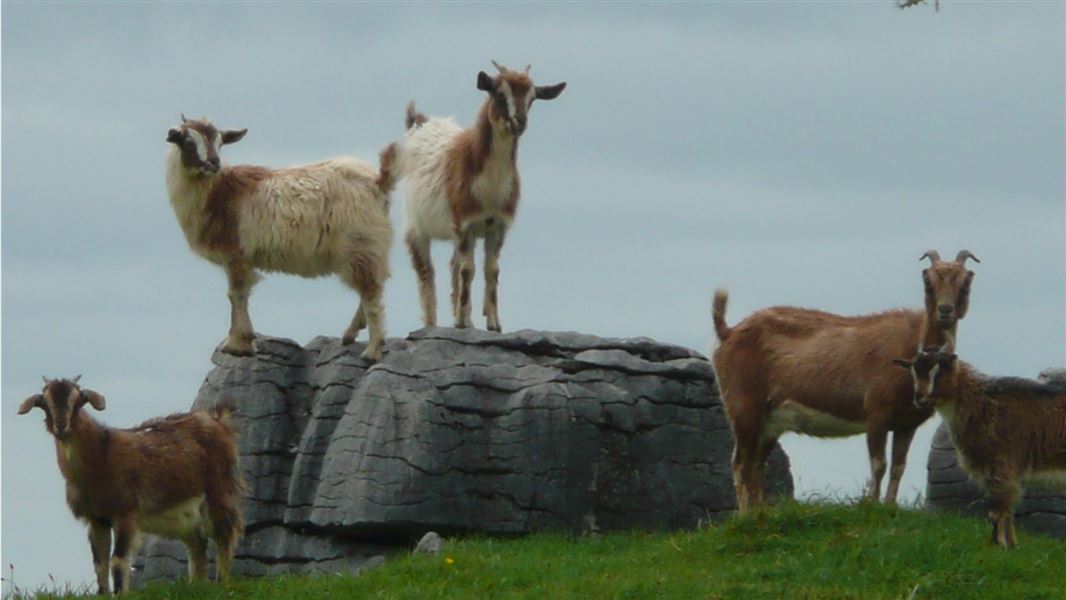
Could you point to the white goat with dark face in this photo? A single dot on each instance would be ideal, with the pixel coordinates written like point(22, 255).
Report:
point(311, 220)
point(462, 184)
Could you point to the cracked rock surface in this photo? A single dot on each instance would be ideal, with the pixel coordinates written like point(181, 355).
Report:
point(461, 431)
point(949, 488)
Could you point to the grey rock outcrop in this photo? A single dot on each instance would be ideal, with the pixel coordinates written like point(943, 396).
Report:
point(461, 431)
point(949, 488)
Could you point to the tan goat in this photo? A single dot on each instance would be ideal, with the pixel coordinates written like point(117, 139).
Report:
point(1007, 430)
point(826, 375)
point(176, 477)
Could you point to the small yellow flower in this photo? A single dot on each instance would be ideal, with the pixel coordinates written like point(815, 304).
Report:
point(449, 560)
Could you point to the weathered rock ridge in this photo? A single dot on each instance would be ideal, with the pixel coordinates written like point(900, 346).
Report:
point(949, 488)
point(465, 431)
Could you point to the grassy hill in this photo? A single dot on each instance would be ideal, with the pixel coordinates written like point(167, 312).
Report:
point(794, 550)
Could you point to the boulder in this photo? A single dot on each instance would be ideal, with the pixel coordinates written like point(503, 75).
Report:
point(464, 431)
point(949, 488)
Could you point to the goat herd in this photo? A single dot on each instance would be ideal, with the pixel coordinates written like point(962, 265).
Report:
point(781, 369)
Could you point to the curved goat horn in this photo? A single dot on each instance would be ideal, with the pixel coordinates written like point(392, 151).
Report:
point(76, 379)
point(499, 67)
point(45, 378)
point(932, 255)
point(183, 119)
point(530, 65)
point(963, 255)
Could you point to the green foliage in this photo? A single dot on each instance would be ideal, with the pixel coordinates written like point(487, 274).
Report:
point(794, 550)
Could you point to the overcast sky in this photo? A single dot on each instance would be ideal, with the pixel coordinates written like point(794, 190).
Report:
point(797, 153)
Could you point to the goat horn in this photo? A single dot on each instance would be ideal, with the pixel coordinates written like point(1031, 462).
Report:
point(76, 378)
point(932, 255)
point(183, 119)
point(45, 378)
point(499, 67)
point(963, 255)
point(528, 67)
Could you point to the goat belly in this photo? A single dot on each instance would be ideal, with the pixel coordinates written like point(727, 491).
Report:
point(177, 521)
point(1049, 479)
point(798, 418)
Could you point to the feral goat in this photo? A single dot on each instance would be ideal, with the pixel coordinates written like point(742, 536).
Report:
point(1007, 430)
point(462, 184)
point(826, 375)
point(311, 220)
point(176, 477)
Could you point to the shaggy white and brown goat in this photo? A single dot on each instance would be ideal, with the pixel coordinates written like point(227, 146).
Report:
point(1008, 431)
point(816, 373)
point(311, 220)
point(176, 477)
point(462, 184)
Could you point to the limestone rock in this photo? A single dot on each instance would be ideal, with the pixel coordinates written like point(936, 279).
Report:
point(460, 431)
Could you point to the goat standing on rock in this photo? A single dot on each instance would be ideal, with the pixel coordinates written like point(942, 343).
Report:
point(462, 184)
point(816, 373)
point(311, 220)
point(1007, 430)
point(176, 477)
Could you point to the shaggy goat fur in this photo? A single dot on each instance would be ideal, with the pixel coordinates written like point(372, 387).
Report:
point(1007, 430)
point(311, 220)
point(176, 477)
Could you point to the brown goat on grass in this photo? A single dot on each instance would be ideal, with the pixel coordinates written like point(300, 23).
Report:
point(816, 373)
point(175, 476)
point(1007, 430)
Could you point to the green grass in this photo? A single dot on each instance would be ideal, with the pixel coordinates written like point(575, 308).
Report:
point(794, 550)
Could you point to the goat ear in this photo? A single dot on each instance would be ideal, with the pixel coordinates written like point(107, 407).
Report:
point(94, 398)
point(550, 92)
point(485, 83)
point(949, 360)
point(962, 305)
point(174, 136)
point(232, 136)
point(906, 364)
point(35, 400)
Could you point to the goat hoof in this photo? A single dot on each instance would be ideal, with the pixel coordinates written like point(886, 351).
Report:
point(347, 340)
point(372, 355)
point(237, 349)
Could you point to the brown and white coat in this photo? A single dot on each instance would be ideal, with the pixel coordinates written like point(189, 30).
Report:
point(330, 217)
point(463, 184)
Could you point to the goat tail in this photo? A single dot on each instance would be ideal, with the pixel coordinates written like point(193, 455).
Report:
point(223, 411)
point(414, 118)
point(387, 175)
point(721, 298)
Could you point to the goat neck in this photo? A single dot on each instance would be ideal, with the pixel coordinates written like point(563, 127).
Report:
point(77, 452)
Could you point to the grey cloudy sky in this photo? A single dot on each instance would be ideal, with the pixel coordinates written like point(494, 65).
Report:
point(797, 153)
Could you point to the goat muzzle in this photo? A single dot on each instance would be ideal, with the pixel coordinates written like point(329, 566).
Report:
point(945, 315)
